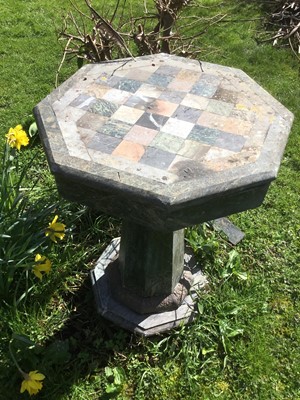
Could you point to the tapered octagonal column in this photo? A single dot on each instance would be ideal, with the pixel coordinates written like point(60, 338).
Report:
point(150, 261)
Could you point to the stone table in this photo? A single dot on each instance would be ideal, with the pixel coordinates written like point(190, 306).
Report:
point(164, 143)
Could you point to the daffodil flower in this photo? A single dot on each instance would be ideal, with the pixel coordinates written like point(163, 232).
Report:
point(32, 382)
point(55, 230)
point(17, 137)
point(42, 264)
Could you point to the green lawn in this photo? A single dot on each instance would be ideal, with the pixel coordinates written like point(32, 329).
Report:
point(244, 342)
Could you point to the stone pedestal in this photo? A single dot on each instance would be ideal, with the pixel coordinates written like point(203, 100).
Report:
point(106, 283)
point(149, 275)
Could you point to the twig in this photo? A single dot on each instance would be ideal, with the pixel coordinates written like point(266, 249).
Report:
point(62, 61)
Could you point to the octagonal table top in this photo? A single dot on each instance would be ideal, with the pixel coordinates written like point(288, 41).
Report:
point(164, 127)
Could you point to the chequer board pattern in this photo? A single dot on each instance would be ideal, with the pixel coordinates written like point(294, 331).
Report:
point(153, 119)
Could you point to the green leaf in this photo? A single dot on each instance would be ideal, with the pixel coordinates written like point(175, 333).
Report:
point(33, 129)
point(23, 338)
point(200, 308)
point(235, 332)
point(242, 276)
point(108, 371)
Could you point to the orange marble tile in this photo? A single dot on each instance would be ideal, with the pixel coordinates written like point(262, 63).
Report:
point(129, 150)
point(141, 135)
point(226, 124)
point(98, 91)
point(188, 75)
point(162, 107)
point(181, 85)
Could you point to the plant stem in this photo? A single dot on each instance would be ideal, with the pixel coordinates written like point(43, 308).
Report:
point(14, 359)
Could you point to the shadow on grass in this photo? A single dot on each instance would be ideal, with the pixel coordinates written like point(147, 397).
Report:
point(81, 349)
point(82, 342)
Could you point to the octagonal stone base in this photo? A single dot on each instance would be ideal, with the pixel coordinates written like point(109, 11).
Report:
point(144, 324)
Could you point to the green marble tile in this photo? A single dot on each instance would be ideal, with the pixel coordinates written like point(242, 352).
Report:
point(116, 129)
point(204, 134)
point(219, 107)
point(103, 107)
point(129, 85)
point(167, 142)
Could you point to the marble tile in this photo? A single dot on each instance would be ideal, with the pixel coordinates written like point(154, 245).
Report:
point(168, 70)
point(129, 85)
point(198, 102)
point(152, 121)
point(226, 124)
point(116, 96)
point(159, 80)
point(97, 91)
point(193, 150)
point(141, 135)
point(114, 80)
point(149, 91)
point(226, 84)
point(92, 121)
point(157, 158)
point(210, 79)
point(237, 126)
point(161, 107)
point(115, 128)
point(178, 128)
point(203, 89)
point(230, 142)
point(188, 75)
point(188, 114)
point(219, 107)
point(103, 143)
point(167, 142)
point(127, 114)
point(129, 150)
point(174, 96)
point(103, 107)
point(138, 74)
point(139, 101)
point(180, 85)
point(204, 135)
point(83, 101)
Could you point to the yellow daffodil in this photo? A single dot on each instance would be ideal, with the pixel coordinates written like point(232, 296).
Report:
point(55, 230)
point(42, 264)
point(32, 382)
point(17, 137)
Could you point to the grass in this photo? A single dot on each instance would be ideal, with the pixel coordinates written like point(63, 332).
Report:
point(244, 342)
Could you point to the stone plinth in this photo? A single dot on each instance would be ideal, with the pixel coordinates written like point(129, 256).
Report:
point(149, 324)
